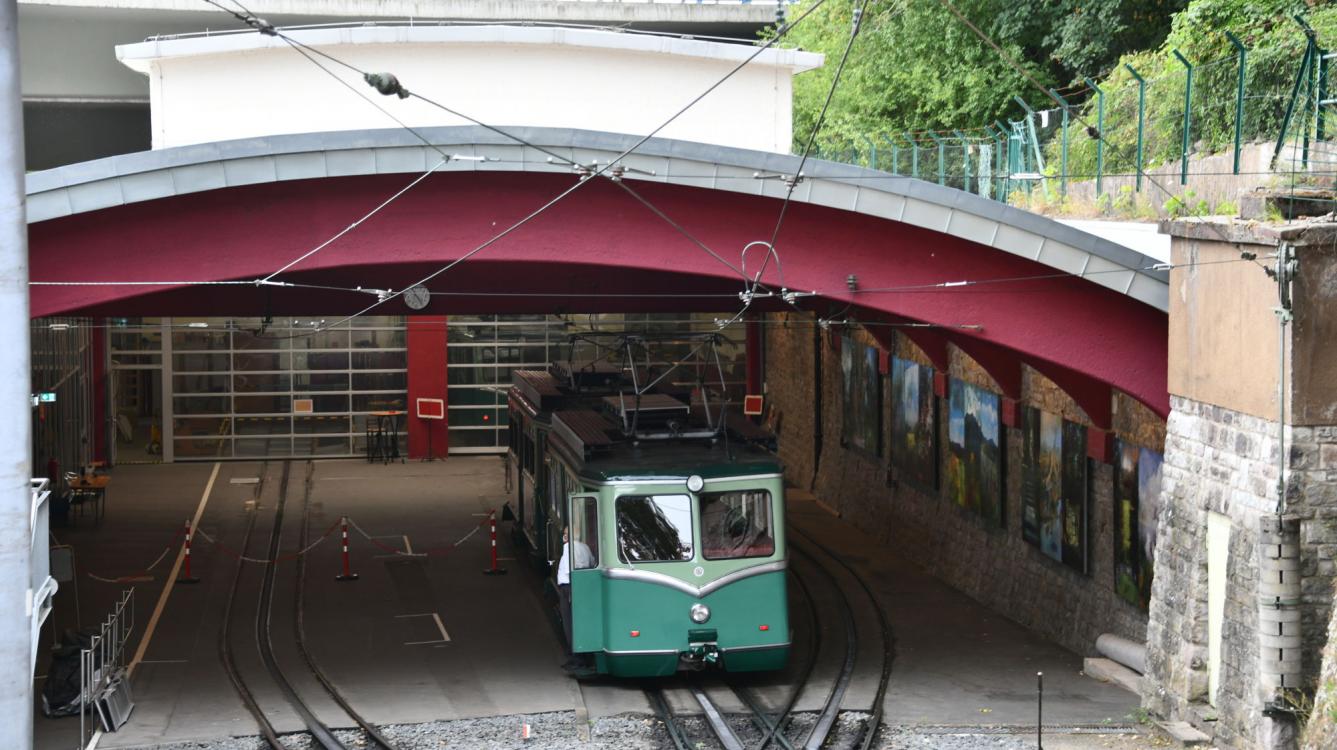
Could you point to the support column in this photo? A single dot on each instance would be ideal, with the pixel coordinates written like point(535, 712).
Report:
point(97, 390)
point(753, 350)
point(16, 708)
point(427, 379)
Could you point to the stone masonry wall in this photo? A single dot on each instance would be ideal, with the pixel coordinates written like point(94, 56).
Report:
point(992, 565)
point(1322, 729)
point(1221, 461)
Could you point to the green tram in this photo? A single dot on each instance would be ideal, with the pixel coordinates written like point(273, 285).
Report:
point(680, 523)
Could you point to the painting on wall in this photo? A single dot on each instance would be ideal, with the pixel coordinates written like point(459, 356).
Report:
point(974, 467)
point(861, 396)
point(914, 426)
point(1051, 484)
point(1030, 475)
point(1053, 487)
point(1074, 498)
point(1137, 501)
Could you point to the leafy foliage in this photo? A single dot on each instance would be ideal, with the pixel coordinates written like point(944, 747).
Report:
point(916, 67)
point(1275, 44)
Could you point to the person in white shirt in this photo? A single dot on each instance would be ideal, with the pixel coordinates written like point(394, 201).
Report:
point(584, 559)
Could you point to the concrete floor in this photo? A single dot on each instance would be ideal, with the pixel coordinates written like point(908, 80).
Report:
point(378, 639)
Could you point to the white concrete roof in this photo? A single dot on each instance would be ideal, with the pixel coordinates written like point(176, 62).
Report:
point(1142, 236)
point(152, 175)
point(140, 56)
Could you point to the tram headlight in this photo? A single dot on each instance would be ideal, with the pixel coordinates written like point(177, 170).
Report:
point(700, 613)
point(695, 483)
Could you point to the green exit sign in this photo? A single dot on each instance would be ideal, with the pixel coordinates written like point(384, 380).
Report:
point(46, 398)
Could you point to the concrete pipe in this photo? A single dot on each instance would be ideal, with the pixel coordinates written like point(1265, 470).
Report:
point(1131, 654)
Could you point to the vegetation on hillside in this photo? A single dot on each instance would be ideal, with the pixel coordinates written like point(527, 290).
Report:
point(916, 67)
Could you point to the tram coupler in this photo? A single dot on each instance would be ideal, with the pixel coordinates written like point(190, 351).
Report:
point(700, 654)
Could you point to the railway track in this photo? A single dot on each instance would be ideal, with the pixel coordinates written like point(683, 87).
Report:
point(321, 733)
point(888, 644)
point(770, 725)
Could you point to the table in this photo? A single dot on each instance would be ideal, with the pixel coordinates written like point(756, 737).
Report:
point(383, 439)
point(89, 489)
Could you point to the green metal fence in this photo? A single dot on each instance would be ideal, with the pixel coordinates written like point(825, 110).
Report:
point(1107, 123)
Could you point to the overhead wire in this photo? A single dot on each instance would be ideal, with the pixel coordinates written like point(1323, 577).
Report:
point(265, 28)
point(357, 223)
point(856, 22)
point(663, 216)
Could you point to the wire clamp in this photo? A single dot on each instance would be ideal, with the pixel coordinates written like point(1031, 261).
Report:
point(386, 83)
point(261, 25)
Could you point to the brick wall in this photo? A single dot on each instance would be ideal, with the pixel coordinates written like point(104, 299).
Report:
point(992, 565)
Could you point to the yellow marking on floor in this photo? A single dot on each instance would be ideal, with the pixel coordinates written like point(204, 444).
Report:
point(171, 579)
point(408, 548)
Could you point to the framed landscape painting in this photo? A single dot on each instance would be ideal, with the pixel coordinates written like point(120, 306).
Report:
point(974, 466)
point(861, 396)
point(914, 424)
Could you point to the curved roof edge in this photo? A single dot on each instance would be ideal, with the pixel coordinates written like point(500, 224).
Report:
point(151, 175)
point(139, 55)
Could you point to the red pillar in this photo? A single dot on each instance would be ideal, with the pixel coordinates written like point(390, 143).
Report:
point(427, 379)
point(753, 351)
point(97, 395)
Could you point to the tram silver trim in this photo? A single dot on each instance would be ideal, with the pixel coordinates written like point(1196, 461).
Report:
point(646, 652)
point(680, 482)
point(660, 579)
point(760, 647)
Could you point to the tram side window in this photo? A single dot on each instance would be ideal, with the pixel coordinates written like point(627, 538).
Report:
point(736, 525)
point(527, 456)
point(585, 532)
point(654, 528)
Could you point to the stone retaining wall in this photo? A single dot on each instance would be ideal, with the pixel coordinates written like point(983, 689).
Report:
point(1222, 461)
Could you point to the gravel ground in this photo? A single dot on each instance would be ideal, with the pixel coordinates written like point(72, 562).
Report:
point(557, 731)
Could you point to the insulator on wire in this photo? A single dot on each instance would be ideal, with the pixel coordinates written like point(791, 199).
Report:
point(386, 83)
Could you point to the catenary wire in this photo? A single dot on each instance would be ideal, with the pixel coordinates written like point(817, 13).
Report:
point(264, 27)
point(812, 138)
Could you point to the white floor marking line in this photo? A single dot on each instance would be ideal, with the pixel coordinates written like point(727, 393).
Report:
point(171, 579)
point(408, 548)
point(445, 637)
point(439, 626)
point(244, 480)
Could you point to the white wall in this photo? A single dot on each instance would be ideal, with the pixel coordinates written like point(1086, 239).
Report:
point(221, 88)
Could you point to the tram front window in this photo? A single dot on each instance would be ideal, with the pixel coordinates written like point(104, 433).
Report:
point(654, 528)
point(736, 525)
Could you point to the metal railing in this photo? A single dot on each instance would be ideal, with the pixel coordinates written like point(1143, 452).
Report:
point(41, 586)
point(101, 664)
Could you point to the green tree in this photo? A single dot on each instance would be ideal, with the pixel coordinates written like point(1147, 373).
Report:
point(916, 67)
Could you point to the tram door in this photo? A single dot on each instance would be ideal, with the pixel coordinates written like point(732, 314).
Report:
point(586, 586)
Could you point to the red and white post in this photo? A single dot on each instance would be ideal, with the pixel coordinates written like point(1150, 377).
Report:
point(186, 577)
point(347, 575)
point(492, 523)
